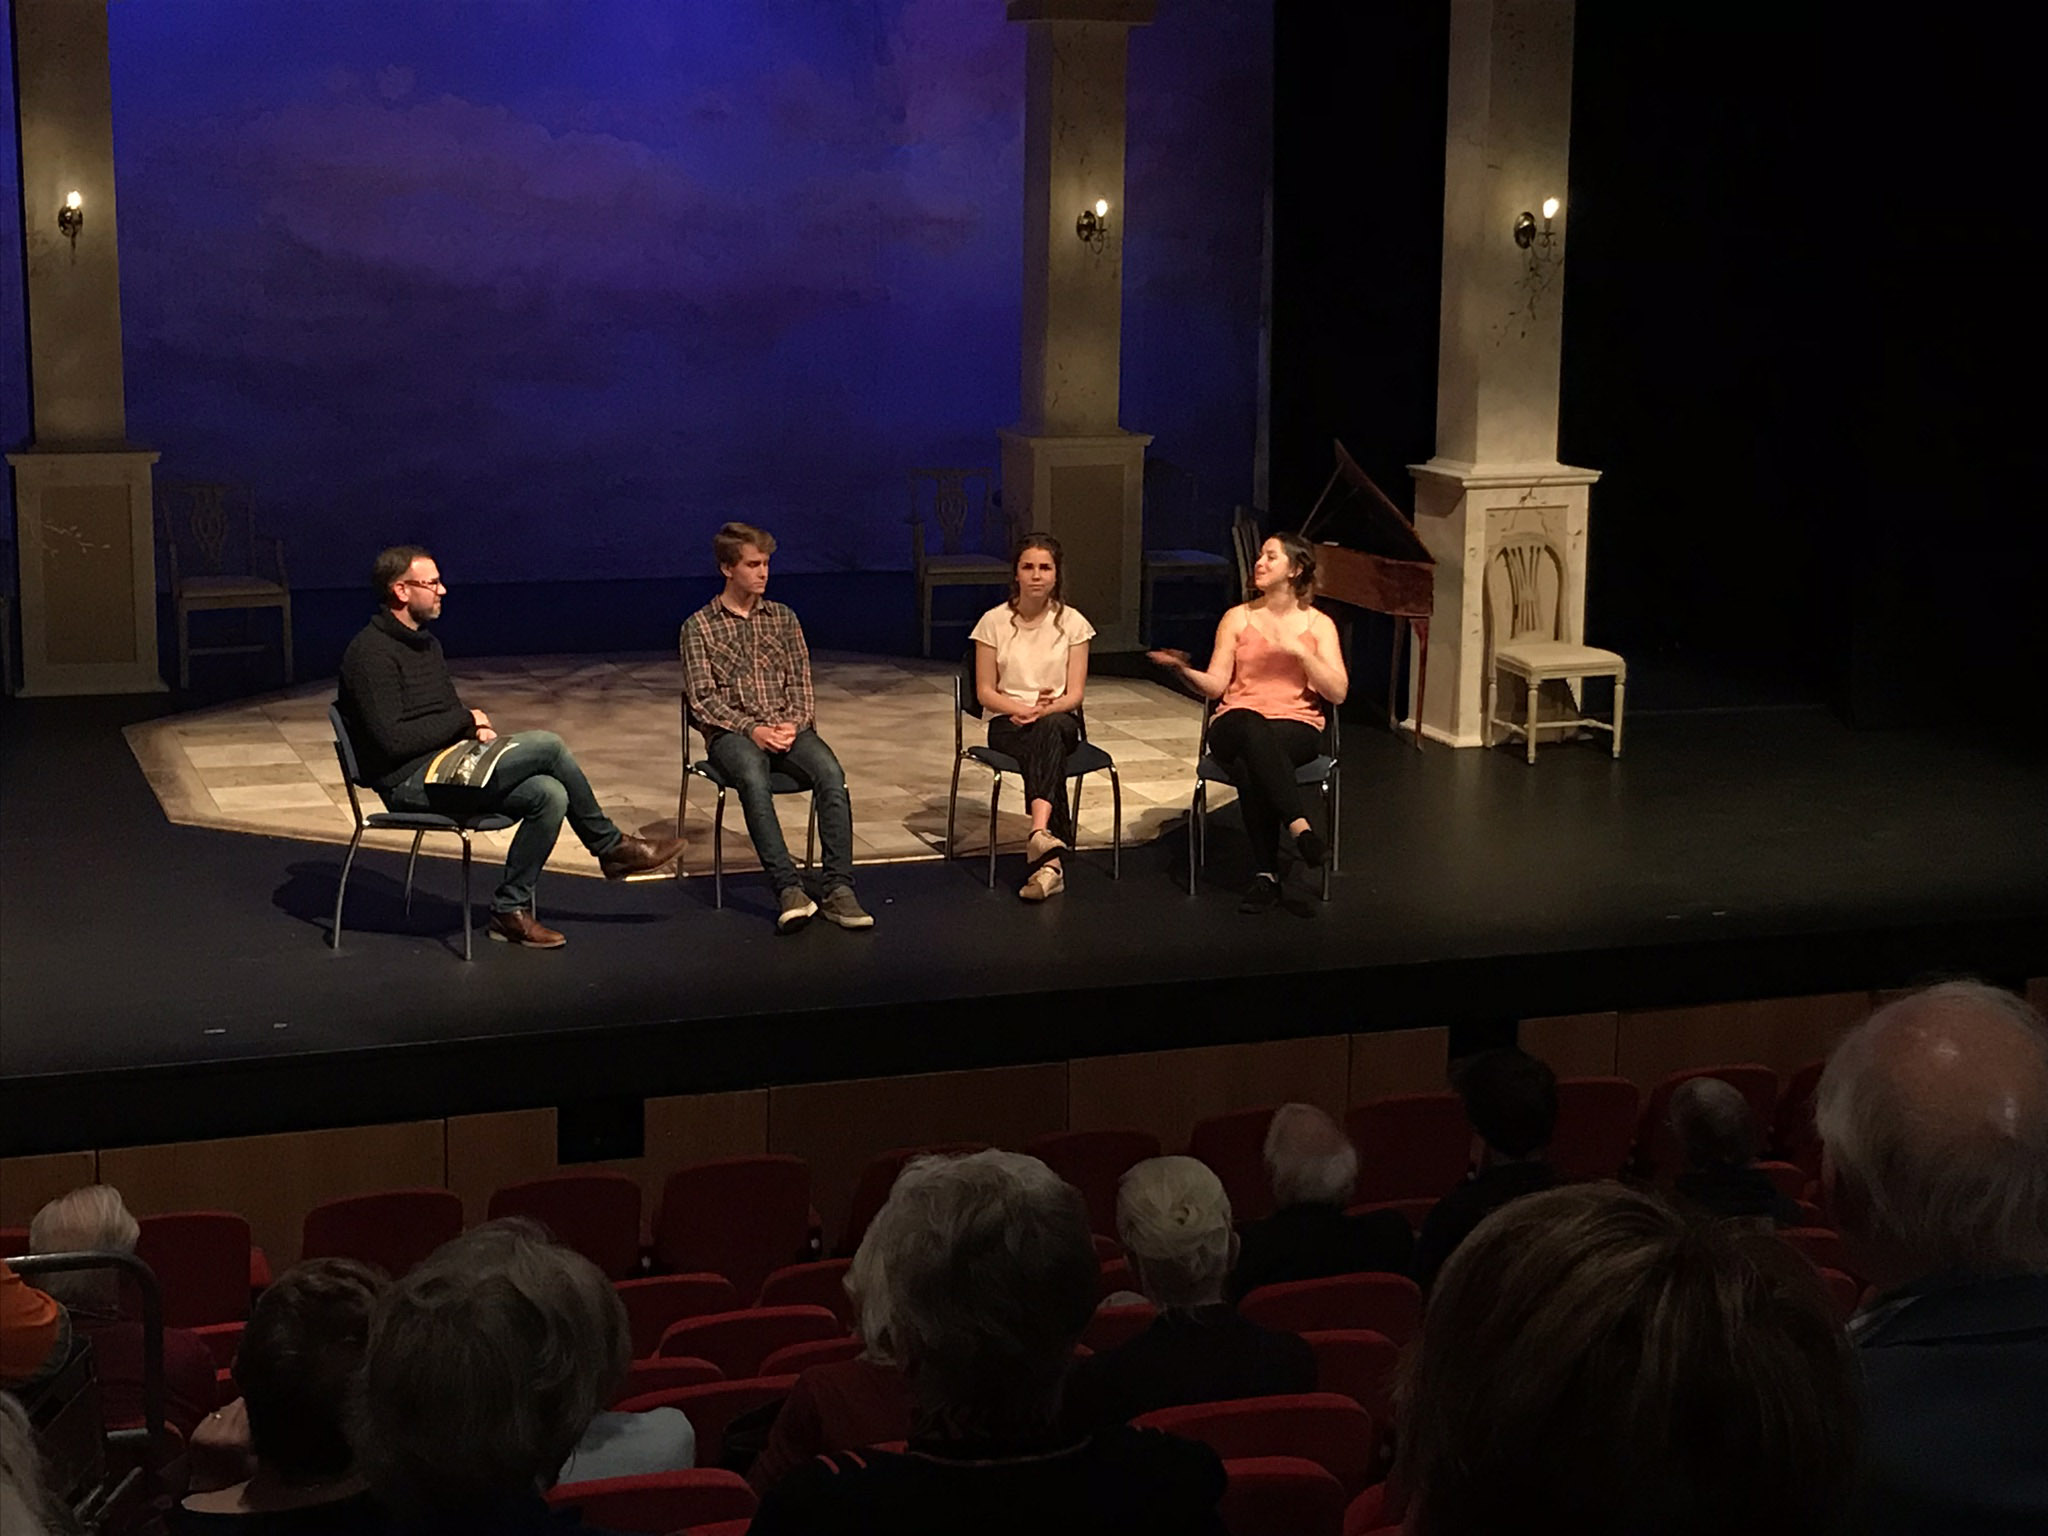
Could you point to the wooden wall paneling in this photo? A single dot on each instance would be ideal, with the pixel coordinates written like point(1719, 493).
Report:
point(27, 1184)
point(1782, 1032)
point(1399, 1061)
point(1166, 1092)
point(487, 1152)
point(274, 1180)
point(691, 1128)
point(838, 1127)
point(1575, 1044)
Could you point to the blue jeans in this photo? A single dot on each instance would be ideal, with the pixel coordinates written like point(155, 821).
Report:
point(810, 762)
point(542, 785)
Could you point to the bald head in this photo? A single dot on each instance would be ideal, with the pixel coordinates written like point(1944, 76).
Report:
point(1311, 1160)
point(1712, 1123)
point(1934, 1117)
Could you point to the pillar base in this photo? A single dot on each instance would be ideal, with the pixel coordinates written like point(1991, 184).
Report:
point(1461, 512)
point(85, 536)
point(1089, 493)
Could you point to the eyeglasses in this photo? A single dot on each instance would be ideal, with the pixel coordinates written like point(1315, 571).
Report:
point(431, 586)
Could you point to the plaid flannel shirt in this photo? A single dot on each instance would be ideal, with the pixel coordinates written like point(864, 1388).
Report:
point(744, 672)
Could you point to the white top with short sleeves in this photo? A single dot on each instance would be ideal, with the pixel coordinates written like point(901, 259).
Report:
point(1031, 658)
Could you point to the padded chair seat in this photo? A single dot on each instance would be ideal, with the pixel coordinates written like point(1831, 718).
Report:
point(434, 821)
point(989, 567)
point(1085, 758)
point(778, 783)
point(1314, 771)
point(1555, 658)
point(209, 587)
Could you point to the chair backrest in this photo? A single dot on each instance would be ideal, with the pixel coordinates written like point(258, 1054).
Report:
point(1821, 1245)
point(1234, 1147)
point(1793, 1134)
point(1171, 496)
point(1387, 1304)
point(1245, 539)
point(1111, 1326)
point(737, 1342)
point(1844, 1290)
point(665, 1374)
point(657, 1502)
point(1324, 1427)
point(960, 506)
point(208, 527)
point(596, 1214)
point(345, 755)
point(1415, 1212)
point(871, 1192)
point(655, 1302)
point(821, 1283)
point(742, 1217)
point(1093, 1162)
point(1596, 1126)
point(201, 1259)
point(1360, 1364)
point(393, 1229)
point(1657, 1149)
point(795, 1359)
point(1410, 1145)
point(1281, 1496)
point(1789, 1179)
point(1526, 592)
point(711, 1407)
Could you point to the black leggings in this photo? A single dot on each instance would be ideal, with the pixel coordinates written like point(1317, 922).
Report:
point(1260, 755)
point(1042, 747)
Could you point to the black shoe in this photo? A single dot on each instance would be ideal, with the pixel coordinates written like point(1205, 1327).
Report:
point(1261, 896)
point(1310, 846)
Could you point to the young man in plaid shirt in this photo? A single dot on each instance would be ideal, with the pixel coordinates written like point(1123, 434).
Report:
point(748, 674)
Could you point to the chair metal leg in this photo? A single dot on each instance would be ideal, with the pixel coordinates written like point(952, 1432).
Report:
point(718, 853)
point(466, 922)
point(1329, 820)
point(341, 887)
point(811, 836)
point(683, 804)
point(1194, 831)
point(952, 804)
point(411, 860)
point(995, 788)
point(1619, 690)
point(1535, 695)
point(1116, 825)
point(287, 612)
point(1334, 862)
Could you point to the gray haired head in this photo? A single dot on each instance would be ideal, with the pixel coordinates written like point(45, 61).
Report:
point(1309, 1158)
point(1173, 1218)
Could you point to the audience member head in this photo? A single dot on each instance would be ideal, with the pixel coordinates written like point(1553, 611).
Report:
point(298, 1364)
point(390, 568)
point(1309, 1158)
point(90, 1219)
point(1173, 1219)
point(1712, 1124)
point(25, 1504)
point(1593, 1361)
point(1511, 1099)
point(730, 543)
point(976, 1279)
point(485, 1365)
point(1933, 1120)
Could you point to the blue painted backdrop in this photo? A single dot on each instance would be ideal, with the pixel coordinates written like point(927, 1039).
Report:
point(559, 285)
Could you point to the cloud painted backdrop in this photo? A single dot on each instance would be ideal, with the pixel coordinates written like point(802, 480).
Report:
point(558, 285)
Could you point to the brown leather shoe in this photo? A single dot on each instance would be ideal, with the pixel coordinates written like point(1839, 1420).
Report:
point(520, 927)
point(638, 855)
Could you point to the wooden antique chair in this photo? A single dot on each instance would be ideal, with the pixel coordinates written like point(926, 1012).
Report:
point(971, 536)
point(218, 560)
point(1528, 571)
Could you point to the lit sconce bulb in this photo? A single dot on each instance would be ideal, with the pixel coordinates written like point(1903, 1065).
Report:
point(1101, 206)
point(1550, 207)
point(71, 217)
point(74, 202)
point(1093, 226)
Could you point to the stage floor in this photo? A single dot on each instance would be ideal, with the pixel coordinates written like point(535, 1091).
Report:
point(161, 981)
point(267, 765)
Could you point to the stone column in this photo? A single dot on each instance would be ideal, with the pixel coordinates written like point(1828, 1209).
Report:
point(84, 528)
point(1506, 152)
point(1069, 468)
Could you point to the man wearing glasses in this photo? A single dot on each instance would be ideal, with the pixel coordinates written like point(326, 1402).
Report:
point(403, 712)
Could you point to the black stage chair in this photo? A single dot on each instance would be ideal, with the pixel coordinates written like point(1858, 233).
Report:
point(780, 783)
point(1321, 771)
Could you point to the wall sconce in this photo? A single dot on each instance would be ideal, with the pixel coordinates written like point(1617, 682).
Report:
point(1093, 226)
point(71, 218)
point(1526, 231)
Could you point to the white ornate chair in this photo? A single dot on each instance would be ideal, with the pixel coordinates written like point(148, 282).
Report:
point(218, 560)
point(961, 507)
point(1525, 580)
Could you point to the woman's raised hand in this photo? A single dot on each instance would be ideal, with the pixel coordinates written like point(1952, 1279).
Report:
point(1172, 660)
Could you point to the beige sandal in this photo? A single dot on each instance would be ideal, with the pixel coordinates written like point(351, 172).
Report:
point(1045, 881)
point(1040, 846)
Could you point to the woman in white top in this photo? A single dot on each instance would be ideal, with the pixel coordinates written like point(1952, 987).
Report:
point(1030, 670)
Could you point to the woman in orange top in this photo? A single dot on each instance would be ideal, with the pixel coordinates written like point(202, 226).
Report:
point(1276, 668)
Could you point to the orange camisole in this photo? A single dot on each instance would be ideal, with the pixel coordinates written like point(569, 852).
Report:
point(1269, 682)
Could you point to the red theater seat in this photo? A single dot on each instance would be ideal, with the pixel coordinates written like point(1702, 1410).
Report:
point(711, 1407)
point(1234, 1147)
point(1844, 1290)
point(871, 1192)
point(1821, 1245)
point(393, 1229)
point(1358, 1363)
point(597, 1214)
point(657, 1302)
point(820, 1284)
point(795, 1359)
point(1111, 1326)
point(741, 1217)
point(1323, 1427)
point(13, 1242)
point(1412, 1146)
point(1385, 1304)
point(665, 1374)
point(737, 1342)
point(204, 1263)
point(1093, 1162)
point(1281, 1496)
point(1657, 1153)
point(1414, 1212)
point(1596, 1126)
point(1787, 1178)
point(223, 1340)
point(657, 1502)
point(1794, 1136)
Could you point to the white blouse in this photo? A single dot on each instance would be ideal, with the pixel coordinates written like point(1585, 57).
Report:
point(1031, 658)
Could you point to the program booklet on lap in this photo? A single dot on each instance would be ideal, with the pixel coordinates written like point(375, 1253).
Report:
point(468, 764)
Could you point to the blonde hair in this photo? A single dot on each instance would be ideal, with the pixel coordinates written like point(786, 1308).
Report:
point(1173, 1218)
